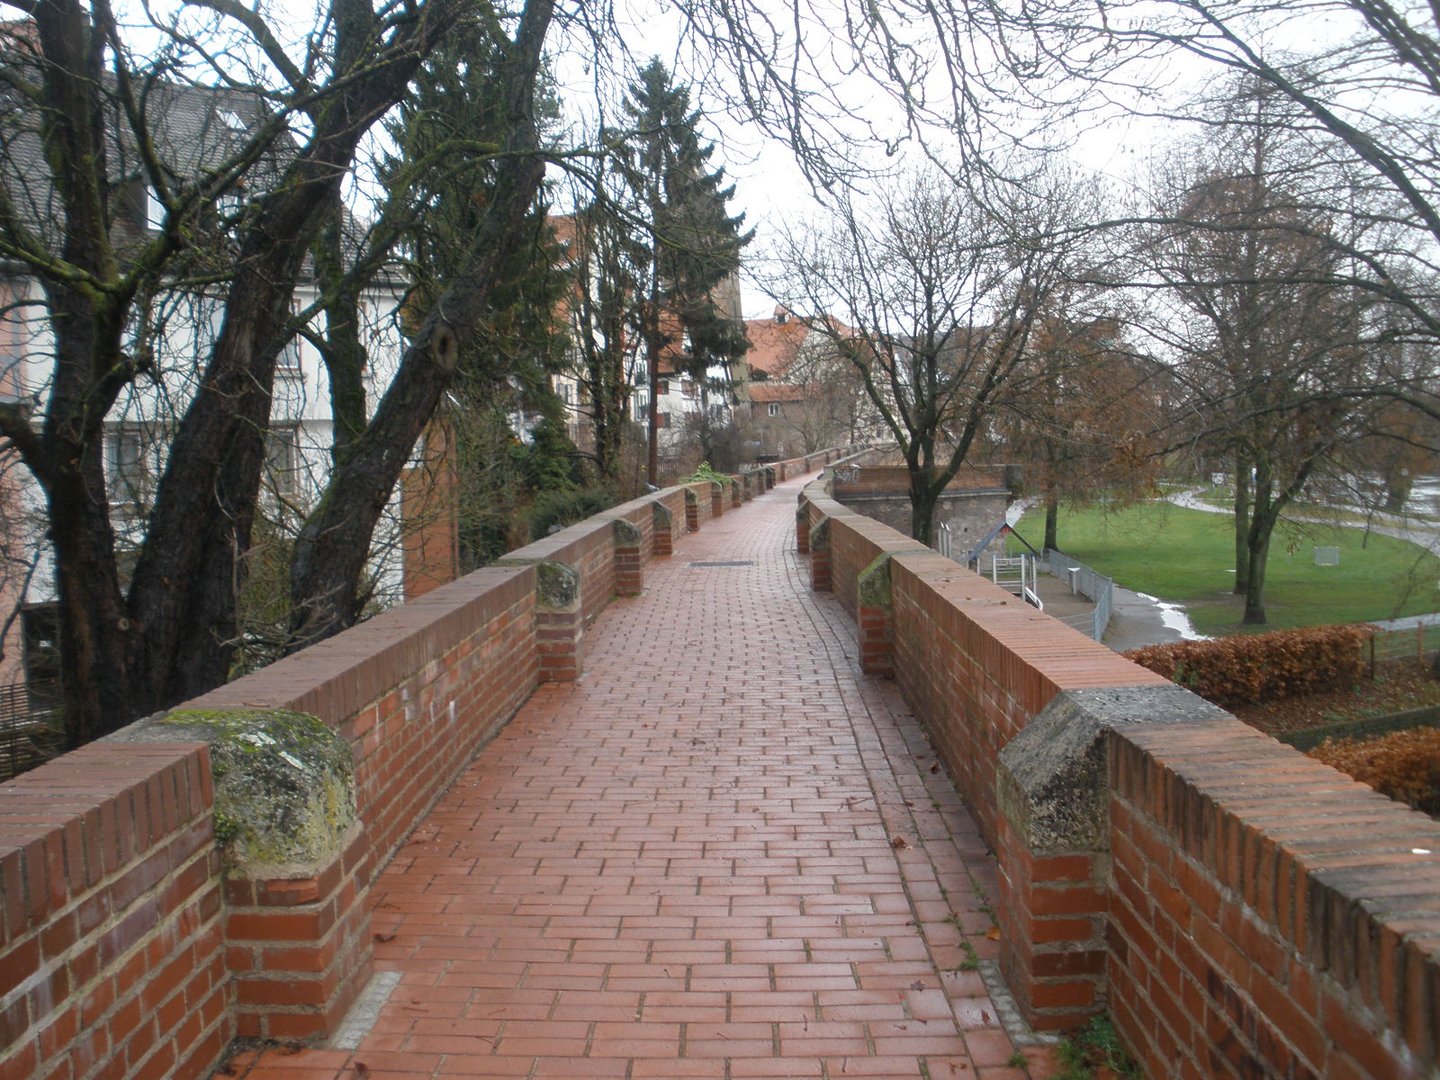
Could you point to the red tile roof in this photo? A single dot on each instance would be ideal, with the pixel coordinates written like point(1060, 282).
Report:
point(774, 344)
point(779, 391)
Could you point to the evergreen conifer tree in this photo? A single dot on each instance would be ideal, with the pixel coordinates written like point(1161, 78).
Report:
point(694, 242)
point(448, 132)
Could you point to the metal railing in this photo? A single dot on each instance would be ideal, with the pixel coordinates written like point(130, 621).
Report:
point(1083, 581)
point(945, 540)
point(1016, 574)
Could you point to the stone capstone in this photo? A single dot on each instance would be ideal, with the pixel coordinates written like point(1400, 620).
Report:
point(284, 782)
point(1051, 778)
point(626, 534)
point(557, 586)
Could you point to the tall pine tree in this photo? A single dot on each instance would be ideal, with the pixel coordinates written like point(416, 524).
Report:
point(694, 243)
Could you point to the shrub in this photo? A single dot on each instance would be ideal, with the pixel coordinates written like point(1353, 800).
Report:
point(565, 507)
point(1245, 668)
point(705, 472)
point(1404, 765)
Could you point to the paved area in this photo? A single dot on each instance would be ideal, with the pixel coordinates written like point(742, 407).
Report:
point(722, 853)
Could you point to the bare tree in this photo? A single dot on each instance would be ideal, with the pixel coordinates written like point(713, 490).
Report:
point(88, 137)
point(1088, 425)
point(1264, 332)
point(935, 298)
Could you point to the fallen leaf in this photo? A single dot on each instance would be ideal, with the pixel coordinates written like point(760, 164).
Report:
point(917, 985)
point(993, 934)
point(361, 1070)
point(382, 938)
point(898, 842)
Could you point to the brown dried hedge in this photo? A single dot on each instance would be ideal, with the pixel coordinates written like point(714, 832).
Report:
point(1404, 764)
point(1246, 668)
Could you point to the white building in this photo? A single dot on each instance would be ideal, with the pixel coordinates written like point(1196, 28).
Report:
point(197, 127)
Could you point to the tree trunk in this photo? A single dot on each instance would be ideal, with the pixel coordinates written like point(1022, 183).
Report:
point(923, 496)
point(1264, 515)
point(1398, 483)
point(344, 353)
point(97, 638)
point(187, 581)
point(334, 545)
point(172, 637)
point(652, 422)
point(1258, 553)
point(1242, 525)
point(1052, 516)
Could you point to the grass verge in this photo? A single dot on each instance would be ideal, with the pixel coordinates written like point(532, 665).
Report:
point(1187, 557)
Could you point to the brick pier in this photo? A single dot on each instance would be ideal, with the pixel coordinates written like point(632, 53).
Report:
point(723, 852)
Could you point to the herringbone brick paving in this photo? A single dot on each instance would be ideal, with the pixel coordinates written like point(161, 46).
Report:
point(723, 852)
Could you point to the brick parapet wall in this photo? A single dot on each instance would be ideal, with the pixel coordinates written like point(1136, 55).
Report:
point(414, 691)
point(124, 948)
point(1269, 917)
point(980, 664)
point(889, 479)
point(112, 957)
point(1242, 910)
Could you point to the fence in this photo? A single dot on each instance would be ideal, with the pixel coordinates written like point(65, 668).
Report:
point(30, 726)
point(1417, 637)
point(1095, 587)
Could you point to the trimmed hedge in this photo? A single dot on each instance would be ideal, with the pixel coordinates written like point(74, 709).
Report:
point(1244, 668)
point(1404, 765)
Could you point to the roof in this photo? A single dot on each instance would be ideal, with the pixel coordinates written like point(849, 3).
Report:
point(774, 343)
point(192, 129)
point(763, 392)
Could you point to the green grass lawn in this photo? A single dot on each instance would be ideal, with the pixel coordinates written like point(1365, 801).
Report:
point(1187, 556)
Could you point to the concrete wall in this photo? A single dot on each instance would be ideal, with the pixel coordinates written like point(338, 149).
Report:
point(1241, 910)
point(133, 943)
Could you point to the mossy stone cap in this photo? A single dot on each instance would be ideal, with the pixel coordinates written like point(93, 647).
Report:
point(284, 783)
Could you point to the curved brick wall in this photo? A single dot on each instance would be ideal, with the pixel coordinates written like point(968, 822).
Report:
point(1240, 909)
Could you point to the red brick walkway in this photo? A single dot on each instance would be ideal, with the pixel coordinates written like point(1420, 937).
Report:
point(722, 853)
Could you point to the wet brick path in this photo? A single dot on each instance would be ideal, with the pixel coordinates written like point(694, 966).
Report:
point(723, 852)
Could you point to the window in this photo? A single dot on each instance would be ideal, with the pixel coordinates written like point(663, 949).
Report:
point(662, 387)
point(229, 206)
point(774, 408)
point(288, 363)
point(154, 210)
point(282, 458)
point(12, 348)
point(124, 464)
point(232, 120)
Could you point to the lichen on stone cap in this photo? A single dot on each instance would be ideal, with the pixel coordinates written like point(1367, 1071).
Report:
point(284, 783)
